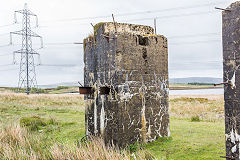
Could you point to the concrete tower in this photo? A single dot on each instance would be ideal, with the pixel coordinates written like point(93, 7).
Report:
point(231, 77)
point(126, 83)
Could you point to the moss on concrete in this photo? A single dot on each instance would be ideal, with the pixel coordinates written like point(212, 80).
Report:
point(98, 25)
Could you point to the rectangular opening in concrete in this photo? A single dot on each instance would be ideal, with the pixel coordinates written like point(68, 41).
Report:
point(105, 90)
point(86, 90)
point(143, 41)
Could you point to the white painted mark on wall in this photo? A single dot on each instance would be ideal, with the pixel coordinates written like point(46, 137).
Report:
point(102, 116)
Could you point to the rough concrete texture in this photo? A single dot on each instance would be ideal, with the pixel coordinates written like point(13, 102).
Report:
point(231, 55)
point(133, 63)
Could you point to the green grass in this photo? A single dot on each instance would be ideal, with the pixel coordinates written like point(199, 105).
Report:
point(191, 140)
point(58, 90)
point(60, 119)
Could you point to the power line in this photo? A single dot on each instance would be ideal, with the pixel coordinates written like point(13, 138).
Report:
point(7, 45)
point(194, 35)
point(6, 64)
point(8, 69)
point(190, 63)
point(6, 54)
point(57, 65)
point(3, 34)
point(173, 37)
point(64, 43)
point(195, 42)
point(172, 9)
point(137, 13)
point(172, 16)
point(6, 25)
point(160, 17)
point(77, 65)
point(56, 43)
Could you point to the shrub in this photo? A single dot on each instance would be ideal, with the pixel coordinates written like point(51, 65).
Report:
point(62, 87)
point(195, 119)
point(36, 123)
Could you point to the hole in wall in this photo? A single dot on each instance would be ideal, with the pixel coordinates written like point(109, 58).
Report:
point(104, 90)
point(143, 41)
point(108, 90)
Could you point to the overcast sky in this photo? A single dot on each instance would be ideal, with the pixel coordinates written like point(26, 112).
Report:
point(195, 48)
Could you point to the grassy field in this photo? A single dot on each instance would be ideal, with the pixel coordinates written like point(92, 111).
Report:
point(183, 86)
point(51, 126)
point(58, 90)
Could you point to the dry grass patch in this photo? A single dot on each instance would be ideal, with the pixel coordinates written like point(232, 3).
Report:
point(206, 107)
point(18, 143)
point(42, 100)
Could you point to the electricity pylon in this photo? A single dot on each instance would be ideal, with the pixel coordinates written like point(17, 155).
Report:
point(27, 75)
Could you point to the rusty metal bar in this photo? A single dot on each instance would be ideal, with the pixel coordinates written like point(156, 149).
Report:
point(155, 26)
point(225, 83)
point(80, 84)
point(86, 90)
point(114, 23)
point(77, 43)
point(223, 9)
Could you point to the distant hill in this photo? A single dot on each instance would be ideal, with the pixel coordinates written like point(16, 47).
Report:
point(69, 84)
point(196, 80)
point(172, 80)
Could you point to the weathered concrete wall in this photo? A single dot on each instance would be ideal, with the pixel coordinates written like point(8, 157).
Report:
point(231, 55)
point(134, 64)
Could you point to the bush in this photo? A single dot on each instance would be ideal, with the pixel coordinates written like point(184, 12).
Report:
point(134, 147)
point(195, 119)
point(62, 87)
point(33, 90)
point(36, 123)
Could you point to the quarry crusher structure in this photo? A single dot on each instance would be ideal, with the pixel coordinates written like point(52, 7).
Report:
point(231, 78)
point(126, 84)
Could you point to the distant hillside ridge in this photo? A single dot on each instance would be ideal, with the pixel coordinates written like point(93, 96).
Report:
point(196, 80)
point(172, 80)
point(68, 84)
